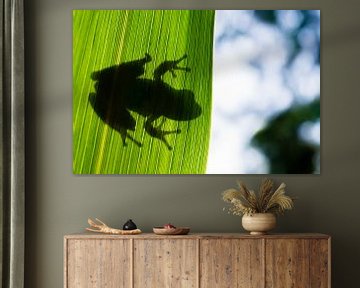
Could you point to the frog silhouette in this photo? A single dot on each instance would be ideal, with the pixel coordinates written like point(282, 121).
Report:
point(119, 90)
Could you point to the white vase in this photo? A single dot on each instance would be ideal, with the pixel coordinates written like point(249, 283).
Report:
point(259, 223)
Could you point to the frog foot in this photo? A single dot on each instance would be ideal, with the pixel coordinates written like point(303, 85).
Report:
point(147, 58)
point(170, 66)
point(156, 132)
point(124, 134)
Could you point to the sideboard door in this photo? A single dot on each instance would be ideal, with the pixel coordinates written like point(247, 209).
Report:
point(231, 263)
point(297, 263)
point(170, 263)
point(320, 263)
point(99, 263)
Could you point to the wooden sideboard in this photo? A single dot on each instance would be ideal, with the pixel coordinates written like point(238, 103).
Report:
point(197, 260)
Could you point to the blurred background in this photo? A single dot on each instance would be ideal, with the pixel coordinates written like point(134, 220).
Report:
point(266, 93)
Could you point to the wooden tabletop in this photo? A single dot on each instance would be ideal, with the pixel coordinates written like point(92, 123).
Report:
point(89, 235)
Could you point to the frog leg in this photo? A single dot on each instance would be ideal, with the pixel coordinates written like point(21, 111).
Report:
point(170, 66)
point(124, 134)
point(156, 132)
point(147, 58)
point(122, 123)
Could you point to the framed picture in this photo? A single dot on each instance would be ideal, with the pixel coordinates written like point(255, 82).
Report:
point(196, 91)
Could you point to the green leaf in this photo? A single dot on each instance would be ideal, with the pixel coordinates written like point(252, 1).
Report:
point(103, 39)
